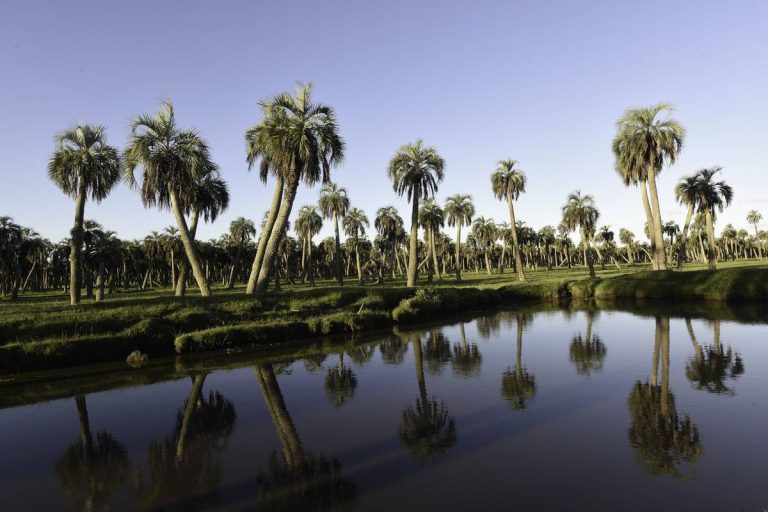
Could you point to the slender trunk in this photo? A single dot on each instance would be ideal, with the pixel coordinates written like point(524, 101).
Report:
point(664, 324)
point(276, 234)
point(458, 252)
point(661, 254)
point(235, 265)
point(357, 261)
point(434, 253)
point(181, 282)
point(265, 234)
point(516, 248)
point(337, 257)
point(281, 418)
point(655, 361)
point(649, 220)
point(711, 254)
point(757, 242)
point(75, 245)
point(683, 238)
point(100, 283)
point(310, 263)
point(418, 359)
point(85, 427)
point(587, 253)
point(189, 246)
point(194, 397)
point(413, 242)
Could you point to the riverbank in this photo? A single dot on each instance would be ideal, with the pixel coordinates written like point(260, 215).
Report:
point(44, 333)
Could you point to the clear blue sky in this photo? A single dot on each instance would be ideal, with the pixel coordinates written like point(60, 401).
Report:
point(539, 81)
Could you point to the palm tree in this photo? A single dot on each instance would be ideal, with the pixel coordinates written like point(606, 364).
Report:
point(580, 212)
point(459, 211)
point(508, 183)
point(712, 364)
point(588, 353)
point(241, 230)
point(485, 232)
point(299, 140)
point(754, 217)
point(415, 170)
point(308, 224)
point(355, 223)
point(83, 165)
point(389, 225)
point(627, 238)
point(172, 161)
point(643, 144)
point(334, 203)
point(712, 195)
point(686, 193)
point(431, 219)
point(340, 383)
point(518, 386)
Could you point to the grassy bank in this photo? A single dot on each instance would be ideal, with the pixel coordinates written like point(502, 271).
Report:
point(43, 332)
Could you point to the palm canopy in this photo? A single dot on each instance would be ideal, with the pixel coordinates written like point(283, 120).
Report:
point(333, 201)
point(712, 195)
point(308, 222)
point(507, 180)
point(416, 170)
point(645, 140)
point(485, 230)
point(84, 161)
point(754, 217)
point(431, 216)
point(387, 221)
point(580, 212)
point(209, 195)
point(355, 223)
point(686, 191)
point(459, 210)
point(242, 229)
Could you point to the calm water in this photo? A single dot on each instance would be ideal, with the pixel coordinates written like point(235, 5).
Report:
point(528, 410)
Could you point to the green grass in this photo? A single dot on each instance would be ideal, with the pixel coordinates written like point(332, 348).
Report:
point(42, 332)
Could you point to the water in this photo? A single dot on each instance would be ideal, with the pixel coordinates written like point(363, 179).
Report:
point(547, 410)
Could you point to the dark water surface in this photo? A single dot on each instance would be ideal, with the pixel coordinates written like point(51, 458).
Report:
point(551, 410)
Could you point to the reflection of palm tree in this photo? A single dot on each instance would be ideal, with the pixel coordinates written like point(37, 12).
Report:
point(361, 354)
point(588, 353)
point(184, 473)
point(299, 480)
point(518, 386)
point(662, 439)
point(712, 364)
point(393, 350)
point(314, 362)
point(427, 429)
point(340, 383)
point(466, 358)
point(437, 352)
point(89, 470)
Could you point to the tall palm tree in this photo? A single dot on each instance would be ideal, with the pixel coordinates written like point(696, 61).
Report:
point(686, 193)
point(644, 142)
point(508, 183)
point(459, 211)
point(83, 165)
point(334, 203)
point(580, 213)
point(712, 195)
point(241, 230)
point(172, 160)
point(299, 140)
point(754, 217)
point(355, 223)
point(415, 171)
point(308, 224)
point(485, 232)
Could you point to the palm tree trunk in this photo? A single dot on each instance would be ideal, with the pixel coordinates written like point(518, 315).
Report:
point(660, 253)
point(434, 253)
point(357, 261)
point(664, 324)
point(100, 283)
point(276, 234)
point(711, 255)
point(194, 396)
point(458, 252)
point(655, 361)
point(265, 234)
point(235, 265)
point(286, 430)
point(418, 360)
point(683, 239)
point(413, 242)
point(337, 257)
point(181, 282)
point(518, 259)
point(310, 263)
point(75, 245)
point(189, 246)
point(587, 253)
point(649, 219)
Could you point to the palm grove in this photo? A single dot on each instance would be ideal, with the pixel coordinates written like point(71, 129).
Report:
point(297, 143)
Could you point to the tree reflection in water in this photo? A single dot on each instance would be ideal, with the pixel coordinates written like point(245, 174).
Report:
point(712, 364)
point(393, 350)
point(91, 469)
point(427, 428)
point(466, 358)
point(340, 383)
point(518, 386)
point(184, 471)
point(663, 439)
point(437, 351)
point(297, 480)
point(314, 363)
point(588, 353)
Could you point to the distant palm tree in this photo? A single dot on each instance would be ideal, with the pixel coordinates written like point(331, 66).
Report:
point(389, 224)
point(754, 217)
point(485, 232)
point(415, 170)
point(308, 224)
point(508, 183)
point(627, 238)
point(431, 218)
point(459, 211)
point(172, 161)
point(643, 144)
point(355, 223)
point(712, 195)
point(241, 230)
point(300, 140)
point(580, 213)
point(83, 165)
point(686, 193)
point(334, 203)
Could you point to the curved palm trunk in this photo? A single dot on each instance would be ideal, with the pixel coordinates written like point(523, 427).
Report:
point(189, 246)
point(337, 263)
point(711, 253)
point(660, 253)
point(458, 252)
point(649, 219)
point(413, 242)
point(192, 400)
point(75, 245)
point(518, 259)
point(434, 254)
point(264, 238)
point(683, 239)
point(276, 234)
point(181, 283)
point(286, 430)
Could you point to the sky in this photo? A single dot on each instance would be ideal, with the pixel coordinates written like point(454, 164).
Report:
point(539, 81)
